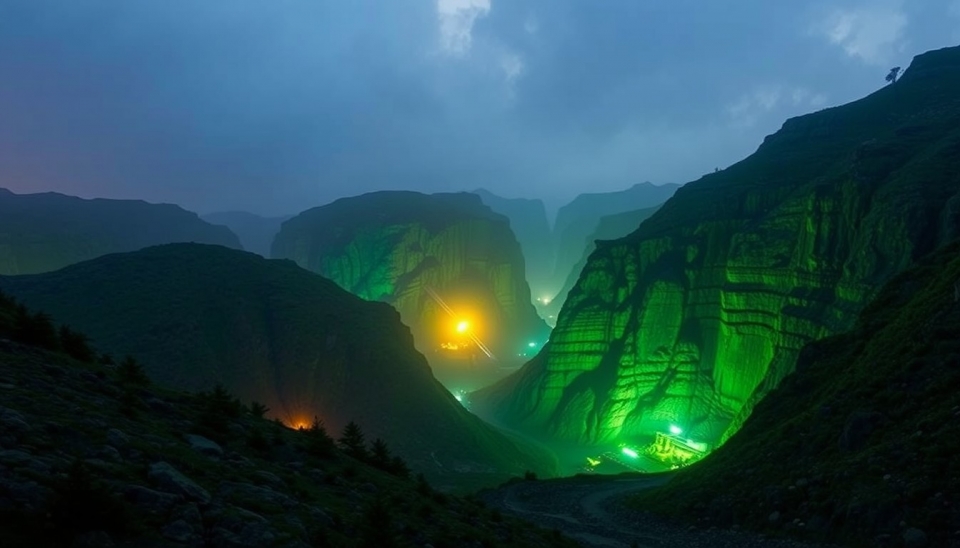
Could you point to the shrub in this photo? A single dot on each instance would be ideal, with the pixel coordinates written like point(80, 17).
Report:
point(131, 372)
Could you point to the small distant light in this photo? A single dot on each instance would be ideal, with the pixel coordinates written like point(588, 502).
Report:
point(459, 397)
point(629, 452)
point(532, 345)
point(675, 430)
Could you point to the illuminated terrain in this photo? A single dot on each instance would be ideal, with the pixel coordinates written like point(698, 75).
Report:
point(702, 311)
point(447, 263)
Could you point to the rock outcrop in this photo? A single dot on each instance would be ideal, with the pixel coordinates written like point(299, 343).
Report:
point(256, 233)
point(45, 232)
point(267, 330)
point(698, 314)
point(438, 259)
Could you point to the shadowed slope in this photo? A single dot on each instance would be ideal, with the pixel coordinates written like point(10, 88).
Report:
point(270, 331)
point(44, 232)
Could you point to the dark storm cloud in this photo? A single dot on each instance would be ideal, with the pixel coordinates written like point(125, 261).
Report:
point(275, 106)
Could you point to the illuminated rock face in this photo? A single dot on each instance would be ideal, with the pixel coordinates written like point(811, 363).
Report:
point(198, 315)
point(701, 312)
point(580, 218)
point(422, 253)
point(45, 232)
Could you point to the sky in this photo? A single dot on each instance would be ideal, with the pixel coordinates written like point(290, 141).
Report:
point(274, 106)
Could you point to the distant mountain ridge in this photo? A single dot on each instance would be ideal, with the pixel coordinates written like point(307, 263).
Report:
point(256, 233)
point(45, 232)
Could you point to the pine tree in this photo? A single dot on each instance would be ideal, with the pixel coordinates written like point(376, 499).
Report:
point(320, 443)
point(352, 441)
point(258, 410)
point(380, 454)
point(75, 345)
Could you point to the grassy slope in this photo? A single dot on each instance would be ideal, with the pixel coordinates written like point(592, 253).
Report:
point(862, 437)
point(64, 409)
point(270, 331)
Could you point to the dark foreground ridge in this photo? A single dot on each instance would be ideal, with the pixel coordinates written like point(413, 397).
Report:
point(94, 455)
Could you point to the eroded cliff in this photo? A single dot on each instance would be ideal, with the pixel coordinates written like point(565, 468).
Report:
point(702, 311)
point(439, 259)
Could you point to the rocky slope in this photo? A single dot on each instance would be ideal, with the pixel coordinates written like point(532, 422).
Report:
point(256, 233)
point(93, 455)
point(581, 217)
point(858, 445)
point(267, 330)
point(407, 249)
point(702, 311)
point(44, 232)
point(528, 219)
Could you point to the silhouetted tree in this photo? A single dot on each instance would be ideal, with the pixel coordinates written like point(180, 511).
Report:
point(258, 410)
point(319, 442)
point(893, 75)
point(380, 454)
point(75, 345)
point(130, 371)
point(399, 468)
point(352, 441)
point(35, 329)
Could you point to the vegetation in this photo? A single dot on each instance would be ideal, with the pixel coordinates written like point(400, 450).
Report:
point(84, 472)
point(859, 444)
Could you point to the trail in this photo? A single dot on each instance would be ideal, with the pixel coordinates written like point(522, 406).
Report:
point(590, 510)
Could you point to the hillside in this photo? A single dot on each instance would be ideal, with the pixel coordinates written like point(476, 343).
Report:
point(256, 233)
point(94, 455)
point(859, 445)
point(693, 318)
point(45, 232)
point(267, 330)
point(439, 259)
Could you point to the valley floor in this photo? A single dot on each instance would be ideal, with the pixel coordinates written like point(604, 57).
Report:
point(588, 509)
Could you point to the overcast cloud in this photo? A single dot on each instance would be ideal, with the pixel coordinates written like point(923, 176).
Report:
point(276, 105)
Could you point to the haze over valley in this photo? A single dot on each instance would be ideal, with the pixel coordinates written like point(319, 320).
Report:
point(467, 273)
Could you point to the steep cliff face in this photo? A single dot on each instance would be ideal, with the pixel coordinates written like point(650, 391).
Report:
point(269, 331)
point(609, 227)
point(700, 312)
point(45, 232)
point(861, 439)
point(440, 259)
point(577, 220)
point(528, 219)
point(256, 233)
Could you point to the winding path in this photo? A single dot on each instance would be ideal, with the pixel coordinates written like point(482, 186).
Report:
point(589, 510)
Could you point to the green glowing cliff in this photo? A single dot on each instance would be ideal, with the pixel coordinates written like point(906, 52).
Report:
point(419, 252)
point(694, 317)
point(45, 232)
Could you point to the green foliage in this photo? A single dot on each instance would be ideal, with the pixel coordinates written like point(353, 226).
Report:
point(352, 442)
point(258, 410)
point(35, 329)
point(217, 408)
point(131, 372)
point(319, 442)
point(76, 345)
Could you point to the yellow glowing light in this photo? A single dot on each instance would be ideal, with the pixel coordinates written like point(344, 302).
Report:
point(593, 462)
point(463, 326)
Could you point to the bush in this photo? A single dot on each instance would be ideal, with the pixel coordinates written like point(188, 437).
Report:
point(131, 372)
point(81, 504)
point(75, 344)
point(319, 443)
